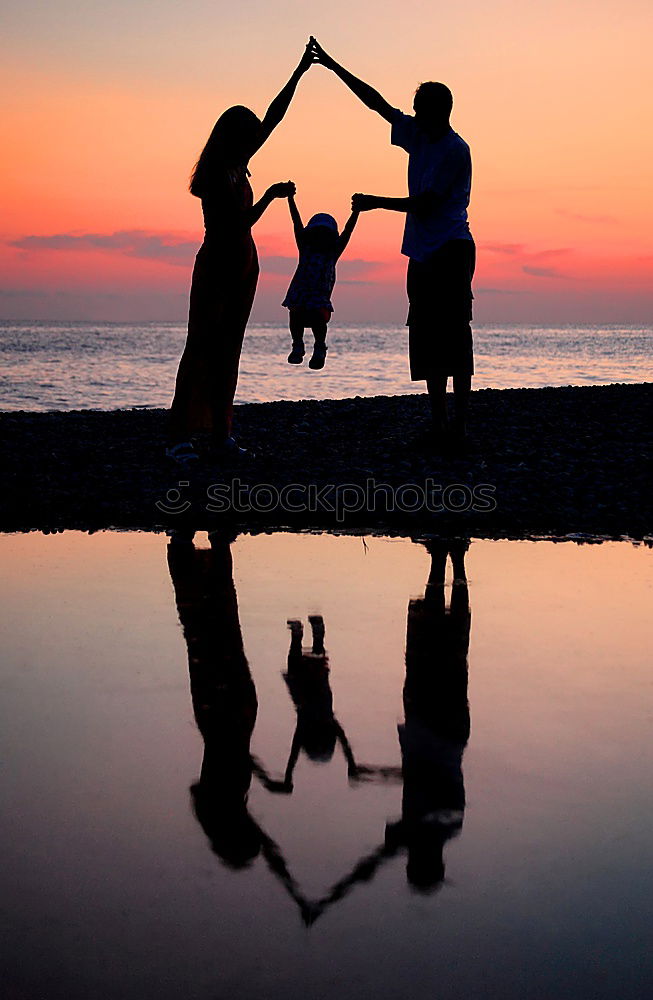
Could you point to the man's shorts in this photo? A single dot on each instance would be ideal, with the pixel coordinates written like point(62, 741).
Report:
point(440, 311)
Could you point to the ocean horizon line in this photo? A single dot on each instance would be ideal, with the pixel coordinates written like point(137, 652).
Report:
point(335, 324)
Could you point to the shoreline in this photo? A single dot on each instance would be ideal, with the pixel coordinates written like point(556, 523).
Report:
point(564, 462)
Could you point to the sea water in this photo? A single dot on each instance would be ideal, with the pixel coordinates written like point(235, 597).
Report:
point(61, 366)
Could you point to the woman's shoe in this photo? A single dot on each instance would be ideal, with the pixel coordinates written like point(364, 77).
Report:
point(182, 453)
point(319, 357)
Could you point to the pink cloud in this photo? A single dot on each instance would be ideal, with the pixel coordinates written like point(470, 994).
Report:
point(542, 272)
point(608, 220)
point(509, 249)
point(168, 248)
point(174, 249)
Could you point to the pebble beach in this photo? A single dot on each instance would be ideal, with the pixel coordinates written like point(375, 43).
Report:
point(552, 462)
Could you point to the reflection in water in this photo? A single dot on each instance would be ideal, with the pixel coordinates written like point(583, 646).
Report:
point(436, 727)
point(317, 731)
point(225, 707)
point(434, 733)
point(109, 886)
point(432, 737)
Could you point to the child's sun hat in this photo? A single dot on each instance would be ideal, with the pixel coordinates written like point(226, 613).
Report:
point(322, 219)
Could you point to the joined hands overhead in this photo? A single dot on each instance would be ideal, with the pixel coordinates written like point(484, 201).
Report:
point(319, 55)
point(314, 53)
point(309, 56)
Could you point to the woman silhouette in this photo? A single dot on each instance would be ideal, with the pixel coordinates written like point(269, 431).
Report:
point(225, 273)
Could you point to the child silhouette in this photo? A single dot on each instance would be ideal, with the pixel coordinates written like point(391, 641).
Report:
point(308, 298)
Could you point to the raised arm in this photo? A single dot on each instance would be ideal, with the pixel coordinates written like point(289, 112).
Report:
point(348, 229)
point(271, 784)
point(368, 95)
point(281, 103)
point(293, 757)
point(347, 751)
point(298, 225)
point(363, 871)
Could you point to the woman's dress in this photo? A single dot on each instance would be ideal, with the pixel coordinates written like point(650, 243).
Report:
point(221, 296)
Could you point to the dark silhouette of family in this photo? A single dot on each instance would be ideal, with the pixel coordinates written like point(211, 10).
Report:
point(432, 736)
point(437, 241)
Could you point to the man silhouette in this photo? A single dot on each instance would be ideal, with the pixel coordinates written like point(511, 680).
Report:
point(437, 239)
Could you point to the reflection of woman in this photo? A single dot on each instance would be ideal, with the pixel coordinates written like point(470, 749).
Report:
point(225, 273)
point(225, 707)
point(223, 695)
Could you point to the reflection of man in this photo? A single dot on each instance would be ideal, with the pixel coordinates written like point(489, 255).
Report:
point(437, 239)
point(436, 727)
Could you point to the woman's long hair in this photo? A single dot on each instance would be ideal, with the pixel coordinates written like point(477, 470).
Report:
point(231, 143)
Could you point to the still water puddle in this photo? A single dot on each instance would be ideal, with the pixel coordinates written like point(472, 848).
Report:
point(317, 766)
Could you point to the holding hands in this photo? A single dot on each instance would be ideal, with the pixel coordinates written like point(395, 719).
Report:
point(368, 95)
point(319, 55)
point(314, 53)
point(283, 189)
point(364, 202)
point(309, 56)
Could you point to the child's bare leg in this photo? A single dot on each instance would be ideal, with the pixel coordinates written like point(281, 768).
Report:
point(296, 635)
point(296, 325)
point(319, 328)
point(317, 630)
point(437, 390)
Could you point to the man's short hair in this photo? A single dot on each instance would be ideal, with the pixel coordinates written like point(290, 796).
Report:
point(433, 100)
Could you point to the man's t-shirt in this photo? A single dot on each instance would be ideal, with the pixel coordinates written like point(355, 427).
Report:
point(444, 167)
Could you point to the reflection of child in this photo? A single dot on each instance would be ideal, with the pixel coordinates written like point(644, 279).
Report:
point(318, 731)
point(309, 296)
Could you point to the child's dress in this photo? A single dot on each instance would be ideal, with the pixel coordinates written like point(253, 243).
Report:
point(313, 281)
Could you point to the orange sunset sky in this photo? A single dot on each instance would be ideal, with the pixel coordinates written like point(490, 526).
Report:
point(107, 105)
